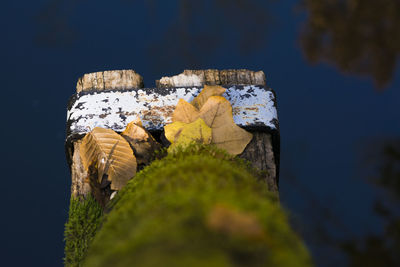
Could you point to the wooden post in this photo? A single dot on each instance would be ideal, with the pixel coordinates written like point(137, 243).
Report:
point(111, 99)
point(231, 216)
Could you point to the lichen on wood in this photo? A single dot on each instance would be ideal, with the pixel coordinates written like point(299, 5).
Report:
point(253, 106)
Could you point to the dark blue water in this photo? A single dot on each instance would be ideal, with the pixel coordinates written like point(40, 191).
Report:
point(327, 118)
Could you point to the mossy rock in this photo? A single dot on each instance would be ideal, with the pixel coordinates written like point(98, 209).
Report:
point(198, 207)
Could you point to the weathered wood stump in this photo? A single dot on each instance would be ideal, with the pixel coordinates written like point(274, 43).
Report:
point(111, 99)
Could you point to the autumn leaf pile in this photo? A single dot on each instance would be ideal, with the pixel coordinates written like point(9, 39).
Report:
point(207, 120)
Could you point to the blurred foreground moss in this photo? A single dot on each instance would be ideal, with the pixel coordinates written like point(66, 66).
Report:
point(198, 207)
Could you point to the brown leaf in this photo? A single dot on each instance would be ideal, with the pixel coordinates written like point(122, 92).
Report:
point(217, 114)
point(106, 147)
point(137, 121)
point(208, 91)
point(185, 112)
point(141, 141)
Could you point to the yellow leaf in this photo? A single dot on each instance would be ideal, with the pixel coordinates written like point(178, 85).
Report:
point(208, 91)
point(185, 112)
point(172, 130)
point(106, 147)
point(217, 114)
point(141, 141)
point(181, 134)
point(195, 131)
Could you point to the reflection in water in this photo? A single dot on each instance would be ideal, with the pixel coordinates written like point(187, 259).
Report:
point(359, 36)
point(202, 28)
point(54, 26)
point(329, 237)
point(198, 31)
point(382, 250)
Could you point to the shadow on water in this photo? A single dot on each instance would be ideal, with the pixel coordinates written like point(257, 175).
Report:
point(358, 36)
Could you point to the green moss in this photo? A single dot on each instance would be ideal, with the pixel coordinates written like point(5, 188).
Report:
point(170, 215)
point(82, 225)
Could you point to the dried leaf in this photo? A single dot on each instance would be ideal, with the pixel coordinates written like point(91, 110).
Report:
point(217, 114)
point(185, 112)
point(141, 141)
point(182, 134)
point(106, 147)
point(137, 121)
point(208, 91)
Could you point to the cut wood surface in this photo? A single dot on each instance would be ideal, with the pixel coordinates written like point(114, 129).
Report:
point(108, 80)
point(213, 77)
